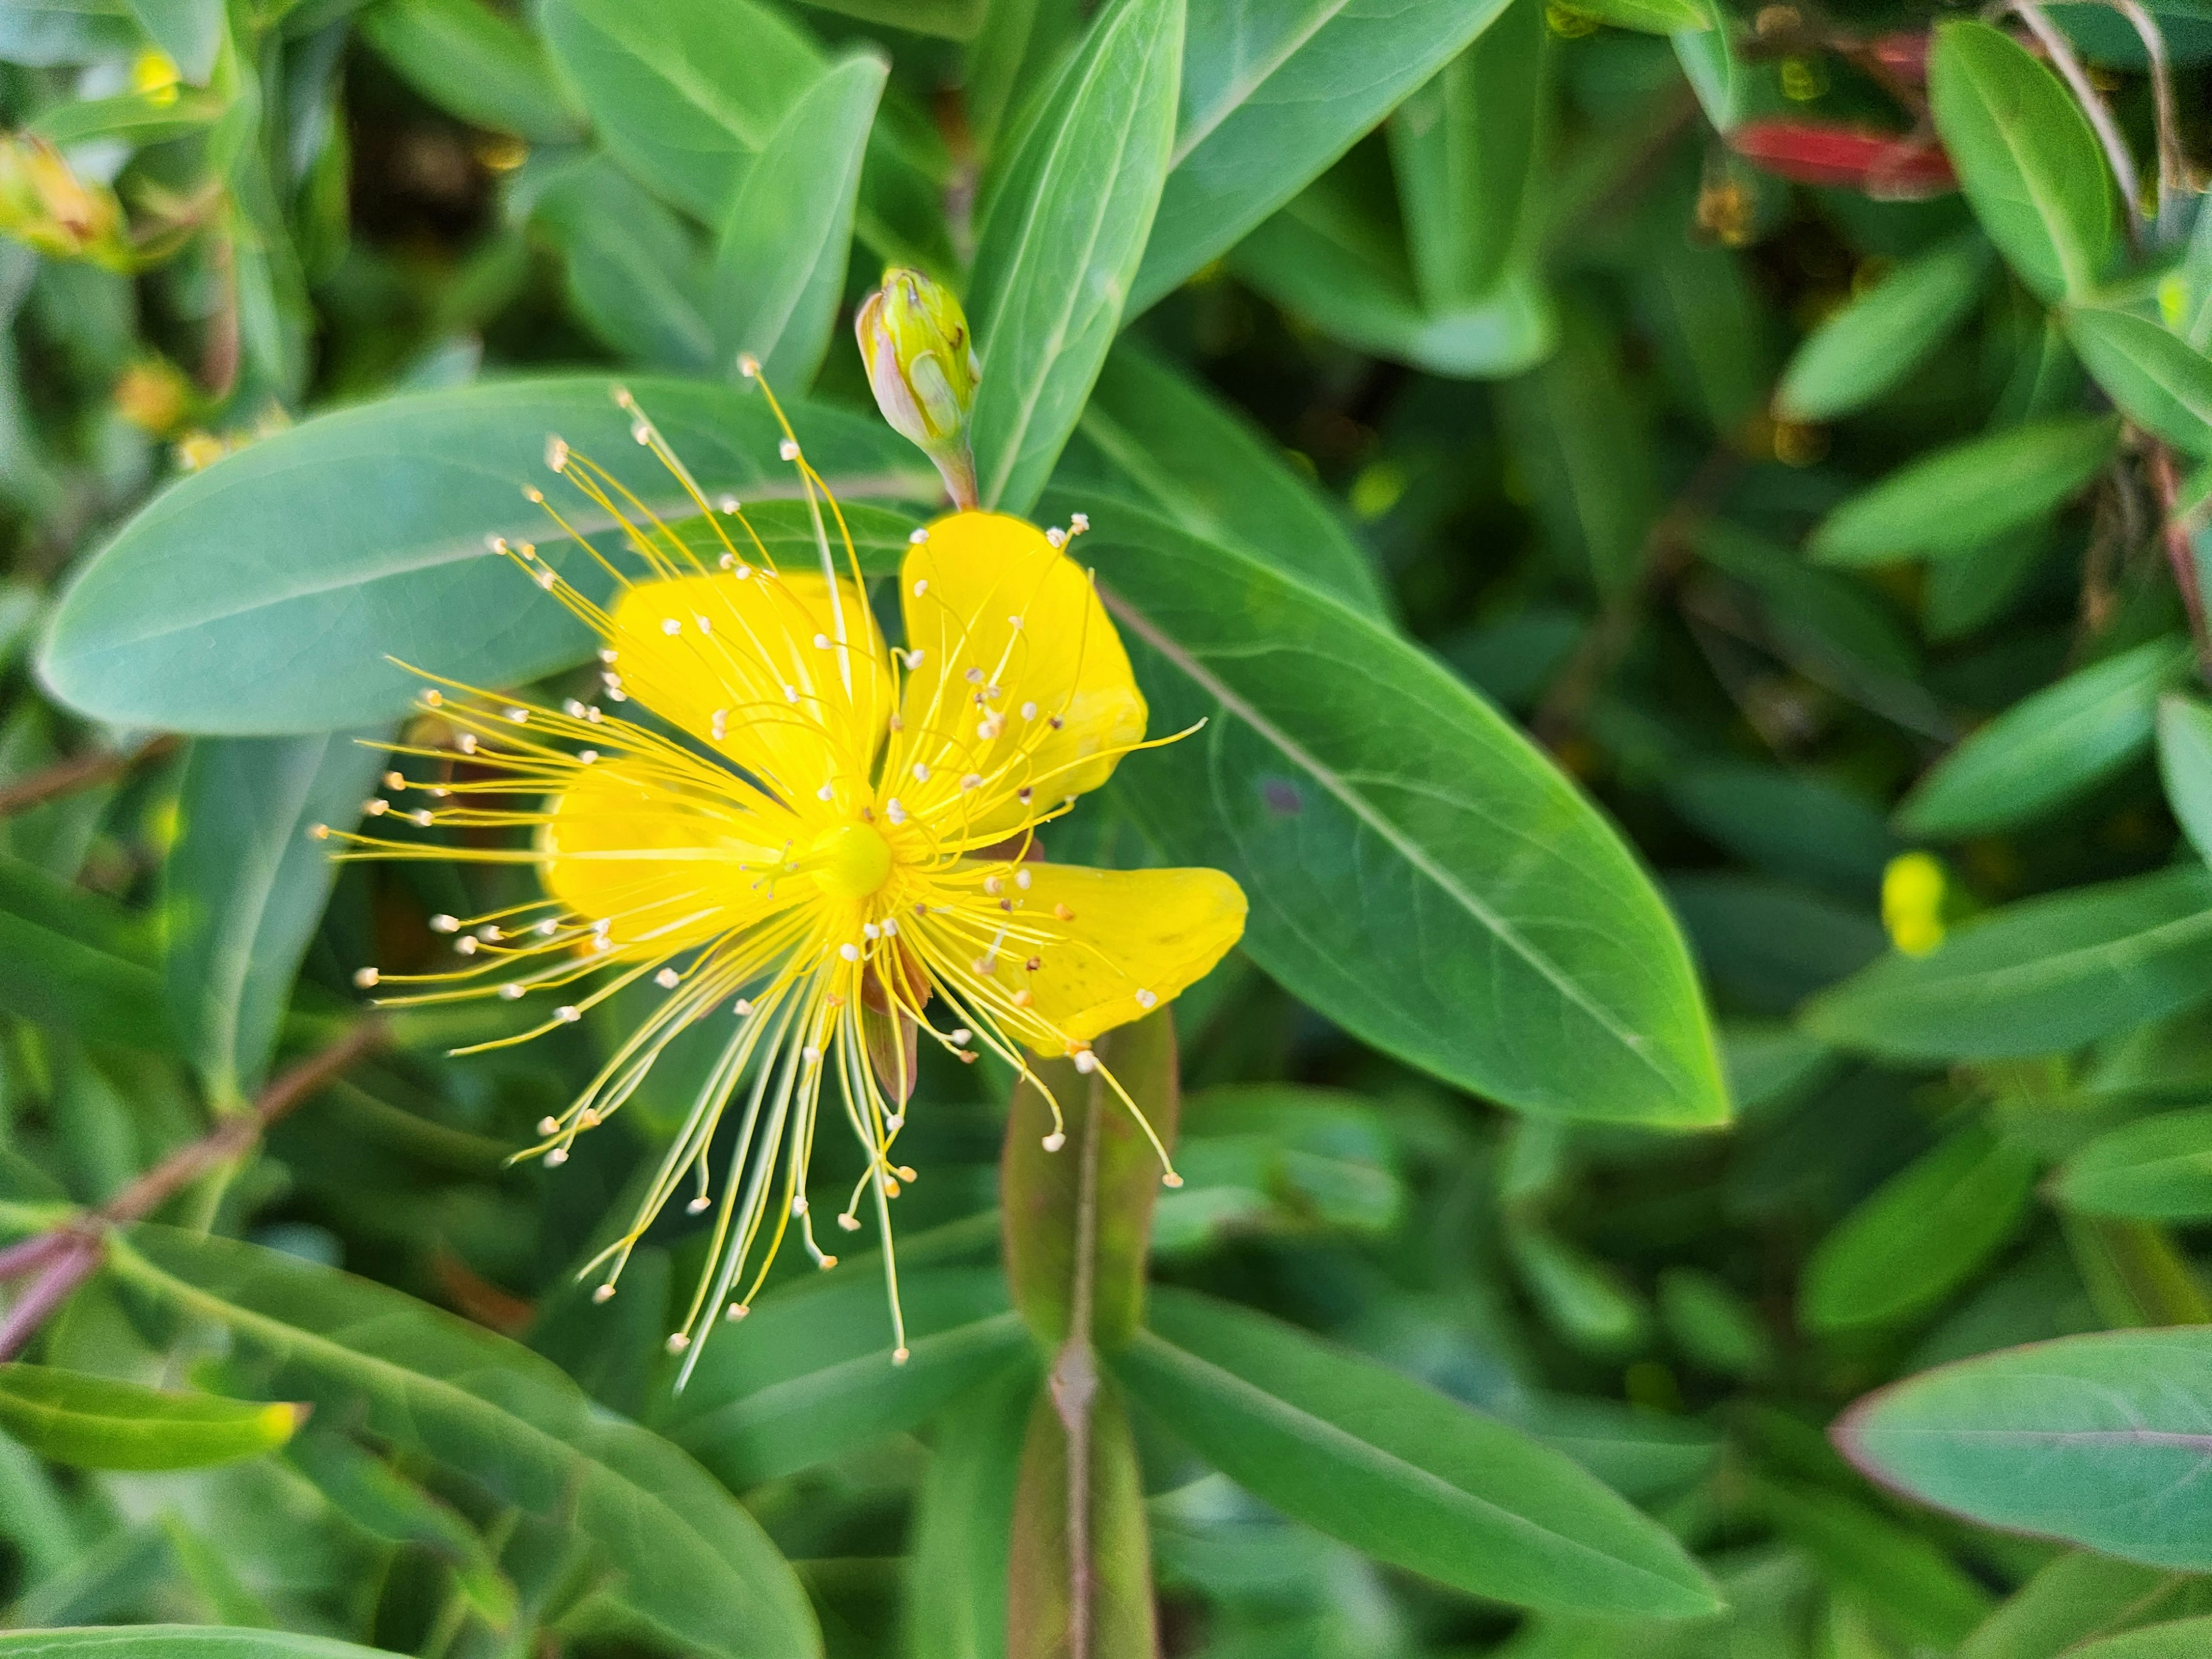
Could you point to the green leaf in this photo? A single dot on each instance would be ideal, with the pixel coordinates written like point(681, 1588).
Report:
point(682, 1560)
point(1580, 1296)
point(1714, 70)
point(191, 32)
point(2100, 1440)
point(948, 20)
point(810, 1377)
point(1650, 16)
point(1872, 345)
point(71, 959)
point(2185, 763)
point(2158, 1169)
point(2048, 748)
point(135, 117)
point(1042, 1190)
point(962, 1536)
point(2077, 1597)
point(780, 270)
point(1325, 258)
point(2035, 978)
point(2184, 1638)
point(244, 886)
point(1584, 451)
point(1367, 800)
point(1271, 95)
point(1920, 1235)
point(404, 493)
point(685, 93)
point(475, 61)
point(1958, 498)
point(1156, 437)
point(2025, 158)
point(1913, 1590)
point(2159, 381)
point(1039, 1590)
point(1464, 151)
point(99, 1423)
point(1837, 623)
point(1398, 1471)
point(176, 1642)
point(636, 273)
point(1061, 241)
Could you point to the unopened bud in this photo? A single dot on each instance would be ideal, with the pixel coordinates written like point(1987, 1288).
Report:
point(154, 396)
point(45, 204)
point(921, 364)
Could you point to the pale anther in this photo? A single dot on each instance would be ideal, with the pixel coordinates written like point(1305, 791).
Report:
point(668, 979)
point(677, 1342)
point(511, 991)
point(556, 1157)
point(603, 1293)
point(788, 449)
point(851, 1223)
point(567, 1014)
point(364, 978)
point(741, 1007)
point(736, 1311)
point(1146, 999)
point(1054, 1141)
point(670, 625)
point(849, 952)
point(377, 807)
point(444, 924)
point(1021, 878)
point(699, 1204)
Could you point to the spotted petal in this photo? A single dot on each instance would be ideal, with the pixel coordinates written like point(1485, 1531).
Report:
point(1022, 681)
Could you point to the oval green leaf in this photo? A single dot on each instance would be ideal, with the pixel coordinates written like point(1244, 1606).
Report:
point(2182, 1638)
point(77, 961)
point(2039, 977)
point(2024, 156)
point(2048, 748)
point(475, 63)
point(99, 1423)
point(1061, 244)
point(2158, 1169)
point(1873, 344)
point(1409, 856)
point(176, 1642)
point(1920, 1235)
point(289, 631)
point(2185, 763)
point(2158, 381)
point(2100, 1440)
point(1959, 497)
point(1397, 1470)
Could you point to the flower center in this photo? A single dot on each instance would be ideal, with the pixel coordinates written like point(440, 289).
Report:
point(849, 862)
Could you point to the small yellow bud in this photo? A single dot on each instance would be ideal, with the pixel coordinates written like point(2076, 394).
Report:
point(45, 204)
point(154, 396)
point(1912, 888)
point(153, 73)
point(921, 364)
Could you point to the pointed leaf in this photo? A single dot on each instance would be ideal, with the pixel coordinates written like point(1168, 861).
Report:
point(75, 960)
point(2184, 762)
point(1040, 1593)
point(2038, 977)
point(99, 1423)
point(1873, 344)
point(2100, 1440)
point(683, 1559)
point(403, 494)
point(2158, 1169)
point(2160, 381)
point(1061, 241)
point(1397, 1470)
point(475, 61)
point(1272, 96)
point(780, 270)
point(176, 1642)
point(1409, 855)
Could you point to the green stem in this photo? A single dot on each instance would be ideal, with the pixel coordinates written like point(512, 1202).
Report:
point(1074, 1381)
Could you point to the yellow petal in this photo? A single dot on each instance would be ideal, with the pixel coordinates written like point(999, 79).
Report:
point(1131, 940)
point(762, 652)
point(962, 589)
point(606, 828)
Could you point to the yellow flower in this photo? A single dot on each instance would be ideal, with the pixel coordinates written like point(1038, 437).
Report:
point(828, 848)
point(1912, 890)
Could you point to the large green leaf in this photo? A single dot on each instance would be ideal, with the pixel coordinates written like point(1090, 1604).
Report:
point(1920, 1235)
point(99, 1423)
point(809, 1377)
point(1272, 94)
point(683, 1559)
point(1956, 499)
point(176, 1642)
point(2100, 1440)
point(1325, 258)
point(1464, 151)
point(72, 959)
point(780, 270)
point(1397, 1470)
point(289, 631)
point(467, 58)
point(2024, 156)
point(190, 31)
point(2158, 1169)
point(2183, 1639)
point(1061, 241)
point(1152, 435)
point(1871, 345)
point(2048, 748)
point(1410, 859)
point(2035, 978)
point(2076, 1597)
point(961, 1540)
point(243, 887)
point(684, 92)
point(2160, 381)
point(636, 273)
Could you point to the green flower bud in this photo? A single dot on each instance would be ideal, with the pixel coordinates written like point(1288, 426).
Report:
point(45, 204)
point(922, 363)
